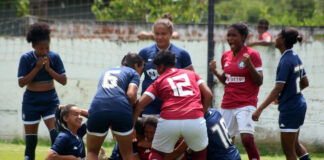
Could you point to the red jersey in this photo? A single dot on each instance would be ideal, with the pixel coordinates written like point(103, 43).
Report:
point(179, 91)
point(265, 36)
point(240, 89)
point(143, 152)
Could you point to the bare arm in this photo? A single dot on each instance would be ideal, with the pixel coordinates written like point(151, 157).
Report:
point(141, 103)
point(271, 97)
point(212, 66)
point(132, 94)
point(207, 96)
point(30, 76)
point(191, 68)
point(178, 151)
point(54, 156)
point(84, 113)
point(304, 83)
point(257, 76)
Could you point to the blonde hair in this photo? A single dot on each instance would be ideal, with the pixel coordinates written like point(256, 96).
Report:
point(164, 21)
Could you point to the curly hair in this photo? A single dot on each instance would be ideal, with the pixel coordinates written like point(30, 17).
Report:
point(38, 32)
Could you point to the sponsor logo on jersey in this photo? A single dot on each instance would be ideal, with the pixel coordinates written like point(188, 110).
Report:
point(75, 148)
point(226, 64)
point(149, 60)
point(241, 64)
point(234, 79)
point(282, 125)
point(147, 151)
point(152, 73)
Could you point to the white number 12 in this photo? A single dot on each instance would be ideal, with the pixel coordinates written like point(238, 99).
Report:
point(177, 88)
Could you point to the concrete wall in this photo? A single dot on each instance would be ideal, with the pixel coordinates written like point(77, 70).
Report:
point(85, 59)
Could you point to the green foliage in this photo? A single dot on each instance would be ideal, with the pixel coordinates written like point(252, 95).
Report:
point(21, 7)
point(278, 12)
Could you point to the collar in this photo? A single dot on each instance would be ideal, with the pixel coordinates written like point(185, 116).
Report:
point(286, 51)
point(159, 49)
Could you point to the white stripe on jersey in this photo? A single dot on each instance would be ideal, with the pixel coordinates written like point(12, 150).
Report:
point(150, 94)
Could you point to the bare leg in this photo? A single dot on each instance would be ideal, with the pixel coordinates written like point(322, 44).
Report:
point(288, 143)
point(93, 146)
point(125, 146)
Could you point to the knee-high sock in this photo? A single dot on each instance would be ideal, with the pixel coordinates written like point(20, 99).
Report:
point(31, 142)
point(53, 135)
point(251, 148)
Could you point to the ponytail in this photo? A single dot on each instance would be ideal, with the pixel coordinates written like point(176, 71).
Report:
point(62, 111)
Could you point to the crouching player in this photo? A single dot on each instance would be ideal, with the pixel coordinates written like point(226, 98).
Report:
point(112, 107)
point(185, 98)
point(220, 146)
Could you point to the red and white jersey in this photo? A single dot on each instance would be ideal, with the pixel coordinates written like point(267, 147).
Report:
point(265, 36)
point(179, 91)
point(240, 89)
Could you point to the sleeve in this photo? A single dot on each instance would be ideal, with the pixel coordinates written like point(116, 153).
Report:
point(256, 60)
point(59, 144)
point(283, 71)
point(302, 67)
point(186, 60)
point(152, 91)
point(135, 79)
point(59, 67)
point(198, 79)
point(82, 130)
point(142, 54)
point(22, 68)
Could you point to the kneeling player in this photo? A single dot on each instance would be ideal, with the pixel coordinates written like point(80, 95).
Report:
point(220, 146)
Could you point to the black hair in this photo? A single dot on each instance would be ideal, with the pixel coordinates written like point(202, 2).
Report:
point(151, 120)
point(139, 126)
point(263, 23)
point(60, 124)
point(38, 32)
point(291, 36)
point(167, 58)
point(242, 28)
point(130, 59)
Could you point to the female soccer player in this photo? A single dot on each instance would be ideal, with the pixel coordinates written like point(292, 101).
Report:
point(162, 30)
point(265, 37)
point(290, 81)
point(112, 107)
point(69, 144)
point(185, 99)
point(36, 70)
point(242, 78)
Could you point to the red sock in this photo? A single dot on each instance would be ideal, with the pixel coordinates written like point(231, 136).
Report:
point(200, 155)
point(155, 155)
point(251, 148)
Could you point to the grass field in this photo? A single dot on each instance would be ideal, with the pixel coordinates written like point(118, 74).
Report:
point(15, 150)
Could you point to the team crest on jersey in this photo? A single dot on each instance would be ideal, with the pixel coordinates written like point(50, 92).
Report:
point(241, 64)
point(152, 73)
point(226, 64)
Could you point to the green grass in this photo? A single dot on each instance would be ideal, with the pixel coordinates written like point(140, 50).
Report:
point(11, 150)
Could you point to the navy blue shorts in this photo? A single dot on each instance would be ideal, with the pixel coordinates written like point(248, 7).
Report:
point(290, 121)
point(39, 104)
point(121, 123)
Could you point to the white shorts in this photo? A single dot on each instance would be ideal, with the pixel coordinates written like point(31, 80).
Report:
point(168, 132)
point(239, 120)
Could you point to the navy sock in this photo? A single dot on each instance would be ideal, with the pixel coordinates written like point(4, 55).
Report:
point(305, 157)
point(31, 142)
point(53, 135)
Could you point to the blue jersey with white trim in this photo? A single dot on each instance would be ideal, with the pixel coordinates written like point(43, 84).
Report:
point(28, 62)
point(67, 143)
point(183, 60)
point(290, 71)
point(219, 145)
point(112, 89)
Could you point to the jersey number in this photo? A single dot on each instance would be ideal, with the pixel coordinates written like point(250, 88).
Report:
point(109, 80)
point(222, 133)
point(177, 87)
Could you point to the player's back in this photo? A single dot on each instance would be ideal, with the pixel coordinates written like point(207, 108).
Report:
point(219, 146)
point(112, 88)
point(291, 71)
point(179, 91)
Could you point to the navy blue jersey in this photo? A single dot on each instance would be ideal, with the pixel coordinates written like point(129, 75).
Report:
point(219, 145)
point(183, 60)
point(67, 143)
point(290, 71)
point(112, 89)
point(28, 62)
